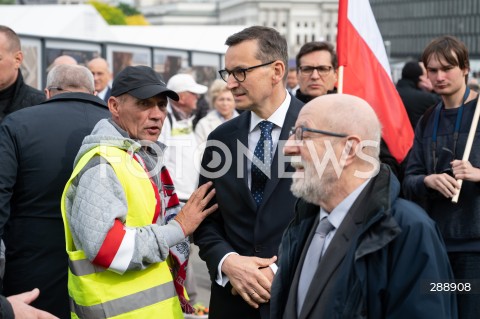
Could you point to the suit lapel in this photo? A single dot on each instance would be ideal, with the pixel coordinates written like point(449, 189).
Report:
point(337, 250)
point(292, 298)
point(107, 95)
point(241, 136)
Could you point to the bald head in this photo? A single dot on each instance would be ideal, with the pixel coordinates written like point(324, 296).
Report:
point(12, 41)
point(344, 113)
point(11, 57)
point(64, 59)
point(98, 62)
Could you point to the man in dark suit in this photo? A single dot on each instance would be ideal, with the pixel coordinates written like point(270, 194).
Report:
point(101, 76)
point(354, 249)
point(37, 148)
point(239, 242)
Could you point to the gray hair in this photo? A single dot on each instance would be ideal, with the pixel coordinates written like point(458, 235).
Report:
point(73, 78)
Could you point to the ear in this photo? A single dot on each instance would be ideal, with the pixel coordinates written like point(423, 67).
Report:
point(47, 93)
point(18, 57)
point(113, 106)
point(349, 152)
point(279, 71)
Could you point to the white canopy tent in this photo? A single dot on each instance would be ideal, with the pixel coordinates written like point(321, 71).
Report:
point(83, 22)
point(47, 31)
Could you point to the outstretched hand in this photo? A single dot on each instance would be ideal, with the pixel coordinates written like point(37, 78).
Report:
point(22, 309)
point(194, 212)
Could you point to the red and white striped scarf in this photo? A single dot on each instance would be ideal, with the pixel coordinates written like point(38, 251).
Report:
point(168, 209)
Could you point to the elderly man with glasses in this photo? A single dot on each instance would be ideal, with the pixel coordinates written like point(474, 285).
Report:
point(239, 242)
point(355, 249)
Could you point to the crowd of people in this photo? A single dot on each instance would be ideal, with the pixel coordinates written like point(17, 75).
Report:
point(297, 206)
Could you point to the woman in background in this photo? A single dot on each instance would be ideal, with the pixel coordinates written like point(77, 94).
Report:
point(221, 99)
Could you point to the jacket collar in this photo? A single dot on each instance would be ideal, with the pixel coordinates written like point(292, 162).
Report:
point(77, 96)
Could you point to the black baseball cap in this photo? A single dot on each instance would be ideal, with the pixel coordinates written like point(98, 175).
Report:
point(141, 82)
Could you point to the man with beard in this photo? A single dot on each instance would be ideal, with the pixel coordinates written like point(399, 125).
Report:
point(354, 249)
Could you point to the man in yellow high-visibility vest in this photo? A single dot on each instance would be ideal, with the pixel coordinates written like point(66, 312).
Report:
point(126, 233)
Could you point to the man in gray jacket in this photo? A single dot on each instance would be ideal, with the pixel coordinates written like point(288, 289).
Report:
point(121, 211)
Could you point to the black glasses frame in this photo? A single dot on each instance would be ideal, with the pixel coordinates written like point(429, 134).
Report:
point(57, 88)
point(298, 132)
point(323, 70)
point(240, 74)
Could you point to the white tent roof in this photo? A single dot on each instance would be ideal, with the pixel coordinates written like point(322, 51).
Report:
point(210, 38)
point(59, 21)
point(83, 22)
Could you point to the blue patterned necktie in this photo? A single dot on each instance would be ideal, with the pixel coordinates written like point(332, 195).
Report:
point(263, 151)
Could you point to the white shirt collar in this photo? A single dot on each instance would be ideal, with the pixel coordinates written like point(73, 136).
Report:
point(337, 215)
point(277, 118)
point(103, 93)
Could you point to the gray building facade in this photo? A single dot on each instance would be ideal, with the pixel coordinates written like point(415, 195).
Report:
point(407, 26)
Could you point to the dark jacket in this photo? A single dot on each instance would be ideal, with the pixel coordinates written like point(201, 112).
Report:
point(6, 310)
point(238, 225)
point(457, 221)
point(307, 98)
point(415, 100)
point(37, 149)
point(23, 96)
point(378, 264)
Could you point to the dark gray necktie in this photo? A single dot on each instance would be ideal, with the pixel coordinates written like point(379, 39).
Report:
point(312, 260)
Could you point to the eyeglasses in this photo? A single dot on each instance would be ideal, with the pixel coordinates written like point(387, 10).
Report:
point(298, 132)
point(240, 74)
point(322, 70)
point(58, 89)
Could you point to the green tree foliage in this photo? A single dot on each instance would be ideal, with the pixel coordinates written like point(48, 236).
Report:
point(128, 10)
point(113, 15)
point(7, 2)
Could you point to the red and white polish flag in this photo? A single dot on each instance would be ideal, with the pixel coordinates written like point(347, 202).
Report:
point(366, 73)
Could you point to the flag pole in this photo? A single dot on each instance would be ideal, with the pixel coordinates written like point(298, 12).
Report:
point(468, 146)
point(340, 80)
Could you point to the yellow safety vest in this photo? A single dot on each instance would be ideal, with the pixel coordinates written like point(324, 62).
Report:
point(99, 293)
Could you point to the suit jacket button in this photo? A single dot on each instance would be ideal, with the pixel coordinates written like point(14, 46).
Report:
point(258, 248)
